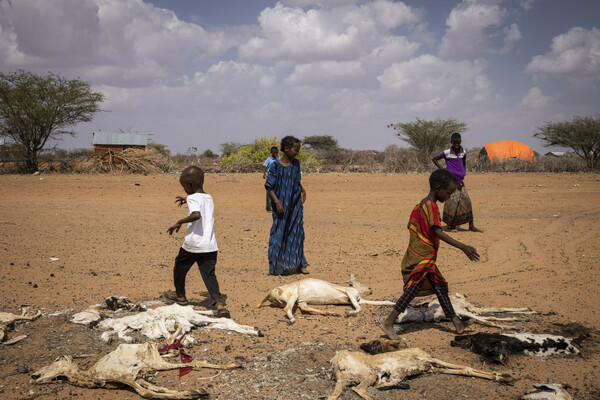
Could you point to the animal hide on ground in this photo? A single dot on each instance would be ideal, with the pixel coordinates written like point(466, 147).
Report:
point(154, 323)
point(548, 391)
point(161, 323)
point(497, 347)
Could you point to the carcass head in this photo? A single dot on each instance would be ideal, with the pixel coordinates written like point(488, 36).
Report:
point(62, 367)
point(363, 290)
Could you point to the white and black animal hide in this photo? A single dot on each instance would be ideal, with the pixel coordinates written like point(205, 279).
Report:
point(497, 347)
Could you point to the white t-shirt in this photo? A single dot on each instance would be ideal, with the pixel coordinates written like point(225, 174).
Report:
point(200, 234)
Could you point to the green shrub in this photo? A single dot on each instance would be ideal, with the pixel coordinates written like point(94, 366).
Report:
point(250, 157)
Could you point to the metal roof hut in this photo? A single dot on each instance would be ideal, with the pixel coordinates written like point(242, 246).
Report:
point(105, 142)
point(506, 149)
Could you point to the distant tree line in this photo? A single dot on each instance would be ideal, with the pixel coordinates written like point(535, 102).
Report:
point(37, 108)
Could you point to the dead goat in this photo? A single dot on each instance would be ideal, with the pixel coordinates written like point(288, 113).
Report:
point(161, 322)
point(497, 347)
point(548, 391)
point(129, 365)
point(308, 292)
point(432, 312)
point(389, 369)
point(7, 321)
point(94, 313)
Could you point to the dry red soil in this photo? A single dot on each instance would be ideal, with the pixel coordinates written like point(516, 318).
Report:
point(540, 249)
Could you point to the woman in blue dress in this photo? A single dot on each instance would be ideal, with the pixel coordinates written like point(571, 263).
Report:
point(286, 241)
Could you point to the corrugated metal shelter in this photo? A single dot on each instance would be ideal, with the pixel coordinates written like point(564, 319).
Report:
point(115, 141)
point(506, 149)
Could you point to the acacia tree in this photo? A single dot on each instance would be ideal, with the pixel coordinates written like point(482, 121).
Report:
point(36, 108)
point(428, 137)
point(321, 142)
point(582, 134)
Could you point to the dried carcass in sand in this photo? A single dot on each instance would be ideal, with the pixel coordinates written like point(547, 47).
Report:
point(129, 365)
point(7, 321)
point(388, 369)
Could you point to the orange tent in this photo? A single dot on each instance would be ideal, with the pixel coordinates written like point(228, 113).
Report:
point(506, 149)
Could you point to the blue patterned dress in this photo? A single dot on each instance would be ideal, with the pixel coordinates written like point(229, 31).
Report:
point(286, 241)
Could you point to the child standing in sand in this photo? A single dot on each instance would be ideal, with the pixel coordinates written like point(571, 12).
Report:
point(458, 209)
point(200, 244)
point(283, 184)
point(272, 158)
point(419, 269)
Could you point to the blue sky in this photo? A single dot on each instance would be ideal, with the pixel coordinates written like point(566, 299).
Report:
point(199, 73)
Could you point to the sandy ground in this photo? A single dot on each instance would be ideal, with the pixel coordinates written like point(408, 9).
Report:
point(539, 249)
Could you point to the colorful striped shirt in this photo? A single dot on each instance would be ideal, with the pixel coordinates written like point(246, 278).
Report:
point(419, 261)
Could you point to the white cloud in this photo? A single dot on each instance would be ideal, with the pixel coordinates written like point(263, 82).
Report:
point(327, 73)
point(526, 4)
point(118, 42)
point(474, 29)
point(575, 53)
point(430, 83)
point(320, 3)
point(338, 34)
point(535, 99)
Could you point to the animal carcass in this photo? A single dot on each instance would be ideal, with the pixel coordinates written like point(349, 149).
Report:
point(308, 292)
point(7, 321)
point(548, 391)
point(161, 322)
point(128, 365)
point(96, 312)
point(497, 347)
point(464, 310)
point(390, 369)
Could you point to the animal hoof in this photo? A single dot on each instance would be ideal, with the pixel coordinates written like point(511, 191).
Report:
point(506, 379)
point(196, 394)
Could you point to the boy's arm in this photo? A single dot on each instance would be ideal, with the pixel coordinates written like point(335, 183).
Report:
point(303, 193)
point(437, 163)
point(468, 250)
point(190, 218)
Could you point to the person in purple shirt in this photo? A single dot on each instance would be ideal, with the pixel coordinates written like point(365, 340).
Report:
point(458, 209)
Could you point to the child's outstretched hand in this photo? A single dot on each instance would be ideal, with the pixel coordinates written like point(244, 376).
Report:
point(174, 228)
point(471, 253)
point(180, 200)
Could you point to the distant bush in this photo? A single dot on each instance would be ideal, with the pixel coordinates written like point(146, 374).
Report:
point(250, 158)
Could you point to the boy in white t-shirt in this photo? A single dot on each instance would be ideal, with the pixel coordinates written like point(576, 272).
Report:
point(200, 244)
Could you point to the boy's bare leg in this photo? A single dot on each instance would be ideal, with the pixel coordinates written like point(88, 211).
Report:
point(458, 325)
point(388, 325)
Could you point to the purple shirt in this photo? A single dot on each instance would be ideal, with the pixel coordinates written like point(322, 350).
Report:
point(455, 163)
